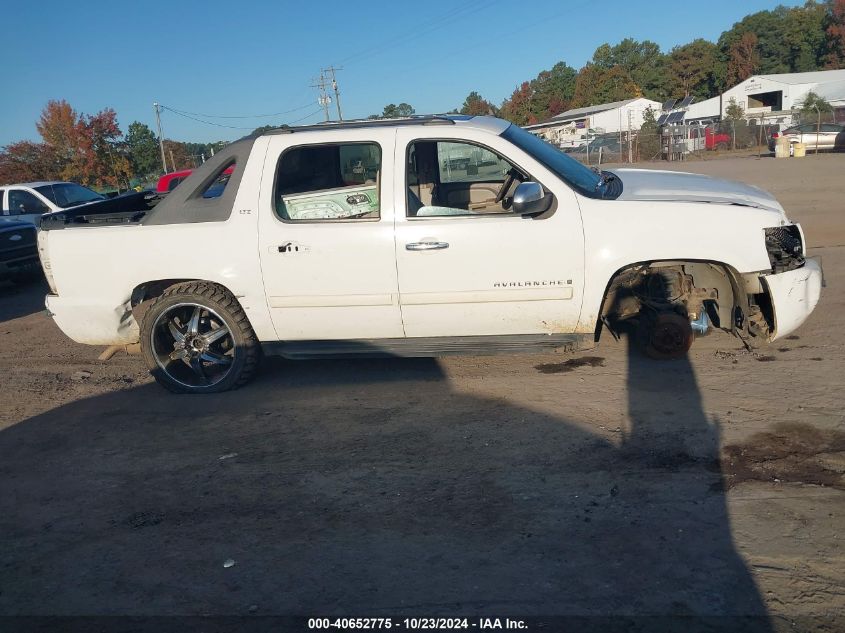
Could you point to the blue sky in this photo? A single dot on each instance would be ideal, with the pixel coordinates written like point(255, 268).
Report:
point(242, 58)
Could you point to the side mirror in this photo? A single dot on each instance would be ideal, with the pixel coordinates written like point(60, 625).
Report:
point(530, 199)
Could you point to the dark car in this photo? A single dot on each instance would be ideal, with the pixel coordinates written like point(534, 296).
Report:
point(18, 251)
point(608, 145)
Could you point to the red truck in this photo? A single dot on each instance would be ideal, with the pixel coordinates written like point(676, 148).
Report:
point(716, 140)
point(168, 182)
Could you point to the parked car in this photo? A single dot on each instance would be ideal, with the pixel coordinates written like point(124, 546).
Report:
point(18, 251)
point(609, 146)
point(541, 252)
point(830, 136)
point(169, 182)
point(30, 200)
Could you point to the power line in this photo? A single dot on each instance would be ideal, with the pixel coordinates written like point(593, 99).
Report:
point(333, 70)
point(323, 99)
point(245, 116)
point(231, 127)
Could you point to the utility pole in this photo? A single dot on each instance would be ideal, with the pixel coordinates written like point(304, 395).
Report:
point(630, 147)
point(157, 109)
point(323, 99)
point(332, 70)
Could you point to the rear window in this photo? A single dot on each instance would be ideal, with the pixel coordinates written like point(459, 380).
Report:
point(68, 194)
point(328, 182)
point(218, 185)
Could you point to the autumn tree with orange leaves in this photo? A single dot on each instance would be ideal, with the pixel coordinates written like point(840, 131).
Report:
point(743, 59)
point(836, 34)
point(77, 147)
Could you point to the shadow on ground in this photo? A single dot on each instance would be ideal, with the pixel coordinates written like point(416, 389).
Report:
point(19, 299)
point(369, 487)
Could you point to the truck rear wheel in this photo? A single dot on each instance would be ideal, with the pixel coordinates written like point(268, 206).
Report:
point(196, 338)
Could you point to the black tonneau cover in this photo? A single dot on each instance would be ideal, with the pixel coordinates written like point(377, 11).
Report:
point(130, 207)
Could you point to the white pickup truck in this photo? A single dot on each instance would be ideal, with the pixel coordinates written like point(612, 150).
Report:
point(382, 237)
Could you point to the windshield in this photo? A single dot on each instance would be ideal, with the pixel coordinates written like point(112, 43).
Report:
point(68, 194)
point(584, 179)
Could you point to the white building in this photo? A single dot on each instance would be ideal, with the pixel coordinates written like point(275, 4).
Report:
point(770, 94)
point(572, 126)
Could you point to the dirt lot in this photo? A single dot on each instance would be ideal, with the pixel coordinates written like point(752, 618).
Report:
point(601, 483)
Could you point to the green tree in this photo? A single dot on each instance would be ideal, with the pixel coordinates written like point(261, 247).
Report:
point(476, 105)
point(541, 98)
point(789, 39)
point(734, 111)
point(596, 85)
point(552, 91)
point(648, 138)
point(816, 108)
point(736, 125)
point(143, 150)
point(693, 69)
point(643, 61)
point(393, 111)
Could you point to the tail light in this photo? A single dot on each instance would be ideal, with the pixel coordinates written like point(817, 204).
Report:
point(775, 135)
point(43, 254)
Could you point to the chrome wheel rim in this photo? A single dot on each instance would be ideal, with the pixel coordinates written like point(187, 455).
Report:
point(193, 345)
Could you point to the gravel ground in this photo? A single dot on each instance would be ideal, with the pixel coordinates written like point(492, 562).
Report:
point(593, 484)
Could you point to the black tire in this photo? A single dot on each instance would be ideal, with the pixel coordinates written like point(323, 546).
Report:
point(190, 360)
point(664, 335)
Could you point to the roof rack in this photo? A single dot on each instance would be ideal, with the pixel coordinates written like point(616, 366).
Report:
point(359, 123)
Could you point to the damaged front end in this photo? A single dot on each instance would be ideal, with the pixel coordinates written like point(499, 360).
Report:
point(781, 299)
point(665, 304)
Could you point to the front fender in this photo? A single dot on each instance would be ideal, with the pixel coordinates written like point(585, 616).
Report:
point(621, 234)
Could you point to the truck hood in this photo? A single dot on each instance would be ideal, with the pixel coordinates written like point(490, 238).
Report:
point(675, 186)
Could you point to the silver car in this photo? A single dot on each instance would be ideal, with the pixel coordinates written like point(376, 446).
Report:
point(830, 136)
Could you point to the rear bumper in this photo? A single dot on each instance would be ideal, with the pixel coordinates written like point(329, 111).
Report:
point(94, 323)
point(794, 295)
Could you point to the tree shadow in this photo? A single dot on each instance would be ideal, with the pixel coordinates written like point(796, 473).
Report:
point(370, 487)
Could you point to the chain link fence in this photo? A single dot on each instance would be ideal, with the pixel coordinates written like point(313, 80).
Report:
point(685, 142)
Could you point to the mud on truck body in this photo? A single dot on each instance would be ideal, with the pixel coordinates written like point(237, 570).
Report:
point(421, 236)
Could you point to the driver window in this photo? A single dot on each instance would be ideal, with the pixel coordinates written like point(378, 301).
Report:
point(328, 182)
point(447, 178)
point(22, 203)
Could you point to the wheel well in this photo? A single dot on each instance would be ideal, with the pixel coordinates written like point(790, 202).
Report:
point(686, 286)
point(154, 288)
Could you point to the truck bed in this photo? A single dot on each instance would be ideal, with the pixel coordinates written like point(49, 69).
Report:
point(126, 209)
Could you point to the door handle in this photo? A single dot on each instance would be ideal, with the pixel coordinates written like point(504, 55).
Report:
point(426, 246)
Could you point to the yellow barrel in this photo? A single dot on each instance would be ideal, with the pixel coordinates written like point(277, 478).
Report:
point(799, 150)
point(782, 147)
